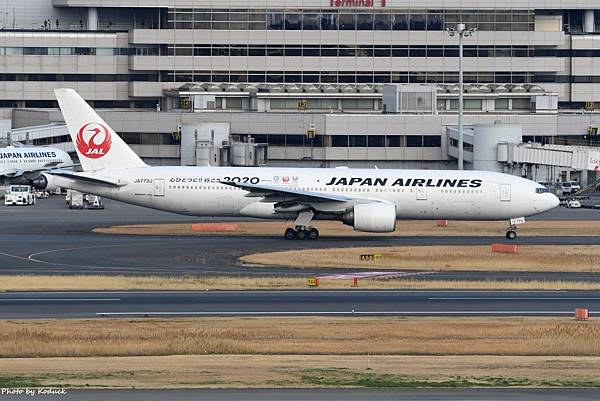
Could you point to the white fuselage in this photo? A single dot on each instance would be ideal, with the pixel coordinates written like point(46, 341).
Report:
point(27, 159)
point(417, 194)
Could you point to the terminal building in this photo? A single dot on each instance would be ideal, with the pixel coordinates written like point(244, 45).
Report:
point(318, 83)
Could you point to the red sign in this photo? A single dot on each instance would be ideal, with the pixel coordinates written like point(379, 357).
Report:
point(93, 140)
point(355, 3)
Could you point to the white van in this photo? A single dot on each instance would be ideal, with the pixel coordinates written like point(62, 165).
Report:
point(575, 186)
point(565, 188)
point(19, 195)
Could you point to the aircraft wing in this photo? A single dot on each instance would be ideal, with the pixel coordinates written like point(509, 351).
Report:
point(10, 173)
point(48, 167)
point(277, 193)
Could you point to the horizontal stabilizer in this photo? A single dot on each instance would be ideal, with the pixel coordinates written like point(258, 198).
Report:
point(106, 182)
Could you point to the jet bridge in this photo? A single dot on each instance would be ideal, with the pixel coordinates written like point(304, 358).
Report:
point(499, 147)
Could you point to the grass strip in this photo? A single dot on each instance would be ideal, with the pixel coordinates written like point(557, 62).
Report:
point(214, 283)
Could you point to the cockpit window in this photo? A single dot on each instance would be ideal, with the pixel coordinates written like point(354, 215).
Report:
point(541, 190)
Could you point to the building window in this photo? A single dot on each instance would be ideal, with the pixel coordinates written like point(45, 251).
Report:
point(400, 22)
point(311, 22)
point(347, 22)
point(501, 104)
point(329, 22)
point(234, 103)
point(358, 141)
point(473, 104)
point(364, 22)
point(396, 141)
point(276, 139)
point(339, 141)
point(293, 22)
point(417, 22)
point(520, 104)
point(376, 141)
point(414, 141)
point(432, 141)
point(295, 140)
point(275, 21)
point(382, 22)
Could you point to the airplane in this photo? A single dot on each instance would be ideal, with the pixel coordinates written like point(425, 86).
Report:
point(23, 165)
point(369, 200)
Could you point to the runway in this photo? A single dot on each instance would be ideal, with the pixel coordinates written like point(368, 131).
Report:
point(27, 305)
point(51, 239)
point(343, 394)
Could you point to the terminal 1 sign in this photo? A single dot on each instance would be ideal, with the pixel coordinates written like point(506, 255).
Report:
point(356, 3)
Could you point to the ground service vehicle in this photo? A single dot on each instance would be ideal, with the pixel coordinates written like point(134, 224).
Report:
point(565, 188)
point(575, 186)
point(93, 202)
point(19, 195)
point(76, 200)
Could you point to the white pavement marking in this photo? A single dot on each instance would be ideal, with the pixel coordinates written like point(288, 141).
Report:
point(13, 256)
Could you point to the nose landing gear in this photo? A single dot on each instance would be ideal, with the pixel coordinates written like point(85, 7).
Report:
point(511, 232)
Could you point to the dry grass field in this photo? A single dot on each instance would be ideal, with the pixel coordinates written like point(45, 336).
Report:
point(567, 258)
point(403, 228)
point(300, 352)
point(301, 336)
point(200, 283)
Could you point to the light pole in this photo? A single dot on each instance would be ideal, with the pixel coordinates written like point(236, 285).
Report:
point(462, 32)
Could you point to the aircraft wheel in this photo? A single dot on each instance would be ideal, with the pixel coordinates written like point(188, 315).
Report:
point(510, 234)
point(313, 233)
point(290, 234)
point(302, 234)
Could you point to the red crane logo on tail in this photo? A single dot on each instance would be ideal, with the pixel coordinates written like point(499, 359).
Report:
point(93, 140)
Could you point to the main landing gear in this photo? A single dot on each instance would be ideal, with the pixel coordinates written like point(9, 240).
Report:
point(302, 229)
point(301, 232)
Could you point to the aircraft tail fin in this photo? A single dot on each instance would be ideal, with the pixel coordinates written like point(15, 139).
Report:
point(97, 144)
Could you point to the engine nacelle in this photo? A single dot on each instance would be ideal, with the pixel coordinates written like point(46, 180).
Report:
point(43, 182)
point(371, 217)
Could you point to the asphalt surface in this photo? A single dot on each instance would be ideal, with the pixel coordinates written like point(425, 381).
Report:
point(27, 305)
point(483, 394)
point(50, 238)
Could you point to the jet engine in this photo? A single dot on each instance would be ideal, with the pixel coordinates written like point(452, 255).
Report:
point(43, 181)
point(371, 217)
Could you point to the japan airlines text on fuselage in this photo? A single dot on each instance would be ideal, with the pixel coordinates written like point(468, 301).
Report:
point(15, 162)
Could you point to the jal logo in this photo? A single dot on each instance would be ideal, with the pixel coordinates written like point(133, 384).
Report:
point(286, 179)
point(93, 140)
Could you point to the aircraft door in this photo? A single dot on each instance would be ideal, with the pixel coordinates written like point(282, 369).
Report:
point(505, 193)
point(159, 187)
point(421, 193)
